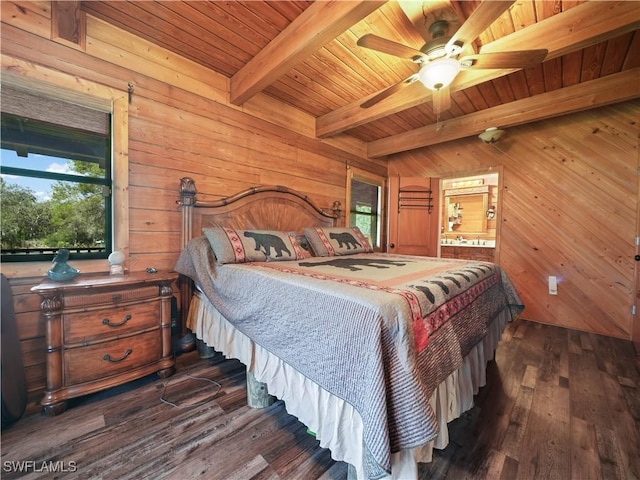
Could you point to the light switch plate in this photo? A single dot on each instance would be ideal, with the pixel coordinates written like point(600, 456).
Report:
point(553, 285)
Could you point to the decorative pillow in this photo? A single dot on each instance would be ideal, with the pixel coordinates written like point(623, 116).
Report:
point(332, 241)
point(241, 246)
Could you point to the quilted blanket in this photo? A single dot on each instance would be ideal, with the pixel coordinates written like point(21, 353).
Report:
point(379, 331)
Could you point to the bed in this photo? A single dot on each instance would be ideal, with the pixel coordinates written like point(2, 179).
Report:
point(375, 353)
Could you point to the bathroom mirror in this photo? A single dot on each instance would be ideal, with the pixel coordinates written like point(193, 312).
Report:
point(466, 213)
point(469, 208)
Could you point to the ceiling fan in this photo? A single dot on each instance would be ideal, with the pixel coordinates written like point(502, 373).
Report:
point(438, 58)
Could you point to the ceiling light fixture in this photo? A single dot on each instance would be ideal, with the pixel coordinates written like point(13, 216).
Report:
point(439, 73)
point(491, 135)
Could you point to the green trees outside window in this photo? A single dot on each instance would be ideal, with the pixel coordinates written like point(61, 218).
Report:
point(55, 191)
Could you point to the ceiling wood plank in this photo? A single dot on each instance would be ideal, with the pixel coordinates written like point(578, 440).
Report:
point(571, 68)
point(310, 31)
point(547, 8)
point(535, 80)
point(633, 55)
point(503, 88)
point(615, 54)
point(602, 91)
point(423, 14)
point(552, 71)
point(592, 62)
point(587, 24)
point(518, 83)
point(523, 16)
point(376, 69)
point(198, 15)
point(579, 27)
point(134, 17)
point(480, 20)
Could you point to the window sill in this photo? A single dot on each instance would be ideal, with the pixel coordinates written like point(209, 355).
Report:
point(36, 269)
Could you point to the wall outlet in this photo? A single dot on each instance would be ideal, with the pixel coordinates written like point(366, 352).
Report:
point(553, 285)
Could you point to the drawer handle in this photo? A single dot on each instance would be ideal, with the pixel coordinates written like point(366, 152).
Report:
point(108, 358)
point(107, 322)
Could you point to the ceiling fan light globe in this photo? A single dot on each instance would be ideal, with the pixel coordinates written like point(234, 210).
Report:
point(491, 135)
point(439, 74)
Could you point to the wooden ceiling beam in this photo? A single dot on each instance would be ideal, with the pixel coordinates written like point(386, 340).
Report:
point(68, 24)
point(613, 88)
point(320, 23)
point(586, 24)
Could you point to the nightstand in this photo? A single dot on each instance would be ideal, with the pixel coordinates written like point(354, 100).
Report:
point(104, 330)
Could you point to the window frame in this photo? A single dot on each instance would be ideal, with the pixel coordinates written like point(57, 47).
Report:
point(105, 181)
point(372, 179)
point(42, 80)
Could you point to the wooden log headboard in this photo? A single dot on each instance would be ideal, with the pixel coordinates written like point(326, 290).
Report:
point(259, 208)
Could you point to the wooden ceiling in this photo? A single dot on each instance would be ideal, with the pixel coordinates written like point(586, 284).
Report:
point(305, 54)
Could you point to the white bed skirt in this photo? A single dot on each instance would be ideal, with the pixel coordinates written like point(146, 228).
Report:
point(336, 423)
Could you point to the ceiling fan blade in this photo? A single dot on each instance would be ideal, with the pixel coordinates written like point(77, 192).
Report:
point(441, 100)
point(389, 91)
point(390, 47)
point(517, 59)
point(481, 18)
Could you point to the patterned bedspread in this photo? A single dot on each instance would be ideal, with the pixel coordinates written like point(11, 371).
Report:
point(379, 331)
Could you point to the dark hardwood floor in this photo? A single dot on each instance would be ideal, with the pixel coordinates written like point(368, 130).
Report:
point(559, 404)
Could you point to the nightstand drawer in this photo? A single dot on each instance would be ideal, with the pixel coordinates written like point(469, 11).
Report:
point(98, 361)
point(94, 297)
point(92, 325)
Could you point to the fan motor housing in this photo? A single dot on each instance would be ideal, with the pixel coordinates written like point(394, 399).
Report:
point(437, 46)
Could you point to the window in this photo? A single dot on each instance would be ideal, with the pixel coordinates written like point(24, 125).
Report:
point(365, 209)
point(55, 185)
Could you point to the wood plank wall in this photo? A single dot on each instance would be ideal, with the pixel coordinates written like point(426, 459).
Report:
point(180, 124)
point(569, 202)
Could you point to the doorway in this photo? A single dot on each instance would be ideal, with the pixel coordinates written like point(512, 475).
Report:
point(469, 215)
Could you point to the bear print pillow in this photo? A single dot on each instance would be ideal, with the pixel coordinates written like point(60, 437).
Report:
point(241, 246)
point(333, 241)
